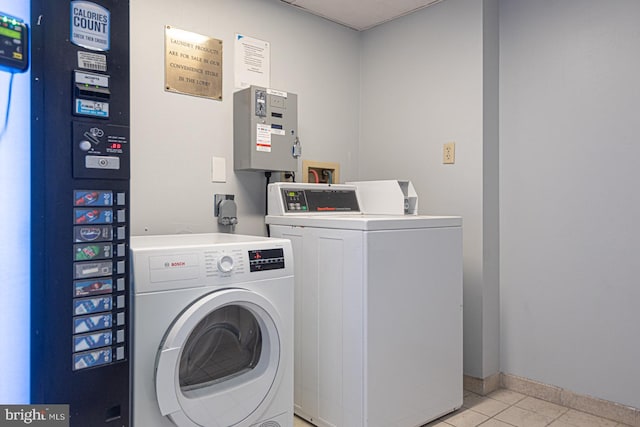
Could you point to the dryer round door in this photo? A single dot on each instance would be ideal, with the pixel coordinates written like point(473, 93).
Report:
point(219, 363)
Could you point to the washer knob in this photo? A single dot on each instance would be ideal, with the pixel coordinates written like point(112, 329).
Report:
point(225, 263)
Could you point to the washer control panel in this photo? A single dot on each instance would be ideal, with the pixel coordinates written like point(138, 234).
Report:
point(333, 199)
point(291, 198)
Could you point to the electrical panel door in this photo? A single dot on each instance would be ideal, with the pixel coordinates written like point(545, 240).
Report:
point(265, 125)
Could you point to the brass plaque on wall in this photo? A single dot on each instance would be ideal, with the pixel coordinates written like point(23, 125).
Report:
point(193, 64)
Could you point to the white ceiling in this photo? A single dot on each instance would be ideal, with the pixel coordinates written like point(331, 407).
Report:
point(360, 14)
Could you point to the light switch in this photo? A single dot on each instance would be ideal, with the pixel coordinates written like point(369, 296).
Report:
point(218, 169)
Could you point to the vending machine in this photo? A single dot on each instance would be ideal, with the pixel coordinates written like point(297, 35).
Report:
point(64, 207)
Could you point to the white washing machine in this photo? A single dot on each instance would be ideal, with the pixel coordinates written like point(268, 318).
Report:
point(378, 309)
point(213, 330)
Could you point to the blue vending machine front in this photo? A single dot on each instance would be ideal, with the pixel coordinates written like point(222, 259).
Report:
point(15, 77)
point(80, 293)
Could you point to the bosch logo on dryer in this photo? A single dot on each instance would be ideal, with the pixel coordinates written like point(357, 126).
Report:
point(175, 264)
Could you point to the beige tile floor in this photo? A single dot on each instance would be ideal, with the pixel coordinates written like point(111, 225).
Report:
point(505, 408)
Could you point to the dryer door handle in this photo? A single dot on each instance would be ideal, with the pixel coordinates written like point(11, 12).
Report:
point(166, 381)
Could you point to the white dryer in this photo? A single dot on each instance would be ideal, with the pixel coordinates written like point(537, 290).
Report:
point(378, 309)
point(213, 330)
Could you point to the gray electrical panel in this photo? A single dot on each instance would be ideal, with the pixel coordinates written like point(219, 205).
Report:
point(265, 130)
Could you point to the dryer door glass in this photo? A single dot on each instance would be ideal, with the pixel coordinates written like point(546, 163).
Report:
point(221, 360)
point(225, 343)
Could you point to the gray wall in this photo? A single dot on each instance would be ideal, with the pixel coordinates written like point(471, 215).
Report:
point(423, 84)
point(570, 203)
point(175, 136)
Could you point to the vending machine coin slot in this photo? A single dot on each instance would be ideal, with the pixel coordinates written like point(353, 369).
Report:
point(100, 151)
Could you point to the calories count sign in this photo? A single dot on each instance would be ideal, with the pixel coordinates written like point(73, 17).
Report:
point(90, 25)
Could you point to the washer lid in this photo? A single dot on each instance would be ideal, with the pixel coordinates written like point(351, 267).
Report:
point(365, 222)
point(220, 360)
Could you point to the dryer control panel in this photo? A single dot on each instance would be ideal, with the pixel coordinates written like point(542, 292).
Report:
point(172, 262)
point(266, 259)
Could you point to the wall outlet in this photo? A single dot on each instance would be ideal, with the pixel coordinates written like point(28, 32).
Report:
point(449, 153)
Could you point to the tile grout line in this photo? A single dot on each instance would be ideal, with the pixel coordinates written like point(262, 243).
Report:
point(511, 405)
point(566, 409)
point(480, 399)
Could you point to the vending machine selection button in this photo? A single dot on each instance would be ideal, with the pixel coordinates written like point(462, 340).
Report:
point(92, 269)
point(91, 359)
point(121, 250)
point(120, 319)
point(92, 251)
point(121, 267)
point(93, 233)
point(92, 323)
point(92, 216)
point(120, 336)
point(120, 284)
point(120, 301)
point(92, 305)
point(121, 233)
point(122, 215)
point(119, 353)
point(90, 341)
point(92, 198)
point(85, 288)
point(121, 199)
